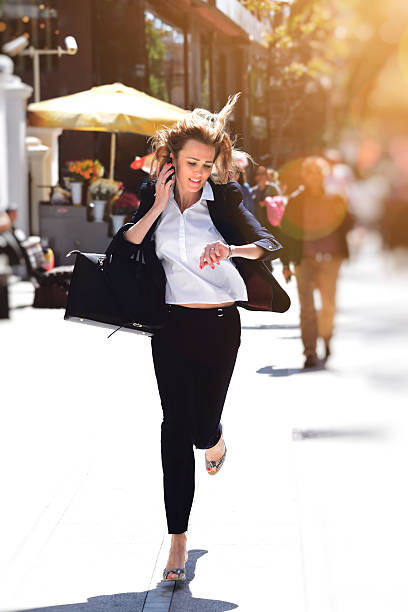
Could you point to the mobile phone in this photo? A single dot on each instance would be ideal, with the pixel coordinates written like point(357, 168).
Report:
point(168, 161)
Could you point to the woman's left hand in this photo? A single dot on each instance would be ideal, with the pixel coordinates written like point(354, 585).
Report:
point(213, 254)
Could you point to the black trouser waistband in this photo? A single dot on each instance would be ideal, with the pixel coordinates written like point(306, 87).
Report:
point(201, 312)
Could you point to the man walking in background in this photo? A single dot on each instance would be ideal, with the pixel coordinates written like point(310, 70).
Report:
point(313, 232)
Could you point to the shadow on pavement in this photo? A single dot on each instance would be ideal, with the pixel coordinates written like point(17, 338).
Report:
point(279, 372)
point(170, 596)
point(120, 602)
point(183, 601)
point(290, 337)
point(376, 434)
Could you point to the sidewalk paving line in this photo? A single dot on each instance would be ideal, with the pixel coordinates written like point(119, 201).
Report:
point(160, 592)
point(159, 599)
point(23, 558)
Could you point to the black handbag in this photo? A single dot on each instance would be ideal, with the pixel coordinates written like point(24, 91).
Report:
point(122, 288)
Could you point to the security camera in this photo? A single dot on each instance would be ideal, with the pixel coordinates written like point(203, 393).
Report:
point(71, 45)
point(14, 47)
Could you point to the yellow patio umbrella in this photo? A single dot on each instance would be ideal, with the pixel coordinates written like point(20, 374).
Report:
point(108, 108)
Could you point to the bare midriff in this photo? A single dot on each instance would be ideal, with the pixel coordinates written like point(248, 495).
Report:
point(222, 305)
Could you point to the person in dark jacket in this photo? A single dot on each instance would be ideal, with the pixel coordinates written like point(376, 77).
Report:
point(313, 232)
point(238, 176)
point(214, 255)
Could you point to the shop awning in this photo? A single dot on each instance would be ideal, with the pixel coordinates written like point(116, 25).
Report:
point(108, 108)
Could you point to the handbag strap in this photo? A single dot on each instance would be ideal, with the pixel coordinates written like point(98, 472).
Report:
point(114, 331)
point(118, 236)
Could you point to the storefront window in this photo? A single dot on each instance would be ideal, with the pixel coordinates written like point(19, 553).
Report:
point(258, 103)
point(205, 73)
point(165, 52)
point(258, 91)
point(221, 84)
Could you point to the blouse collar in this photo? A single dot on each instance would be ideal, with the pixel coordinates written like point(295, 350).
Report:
point(207, 194)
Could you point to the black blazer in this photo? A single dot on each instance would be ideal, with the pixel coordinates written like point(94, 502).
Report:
point(237, 226)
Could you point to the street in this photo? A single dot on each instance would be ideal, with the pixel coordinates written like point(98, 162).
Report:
point(307, 515)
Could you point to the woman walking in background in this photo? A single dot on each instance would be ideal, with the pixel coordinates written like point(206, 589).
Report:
point(199, 227)
point(259, 192)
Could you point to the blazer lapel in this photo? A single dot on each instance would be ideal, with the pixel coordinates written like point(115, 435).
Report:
point(216, 210)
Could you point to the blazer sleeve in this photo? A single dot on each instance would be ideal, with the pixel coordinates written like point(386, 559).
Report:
point(119, 244)
point(147, 193)
point(247, 225)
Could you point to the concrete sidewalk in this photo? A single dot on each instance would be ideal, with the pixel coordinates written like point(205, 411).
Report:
point(308, 513)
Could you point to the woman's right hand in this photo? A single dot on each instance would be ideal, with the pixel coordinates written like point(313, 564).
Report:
point(163, 188)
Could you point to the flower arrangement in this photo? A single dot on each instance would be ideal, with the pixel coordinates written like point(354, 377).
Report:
point(85, 169)
point(104, 189)
point(126, 204)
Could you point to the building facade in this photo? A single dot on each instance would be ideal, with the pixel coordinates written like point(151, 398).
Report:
point(188, 52)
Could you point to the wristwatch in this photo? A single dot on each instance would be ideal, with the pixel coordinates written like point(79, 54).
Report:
point(229, 251)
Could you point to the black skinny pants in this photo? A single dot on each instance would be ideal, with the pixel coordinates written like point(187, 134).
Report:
point(194, 356)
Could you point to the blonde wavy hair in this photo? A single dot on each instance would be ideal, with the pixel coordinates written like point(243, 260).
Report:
point(206, 127)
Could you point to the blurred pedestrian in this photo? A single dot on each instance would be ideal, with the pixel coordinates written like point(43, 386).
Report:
point(9, 243)
point(273, 178)
point(198, 226)
point(341, 176)
point(238, 175)
point(313, 233)
point(5, 221)
point(259, 192)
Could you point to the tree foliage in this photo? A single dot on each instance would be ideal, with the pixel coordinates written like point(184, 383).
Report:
point(336, 47)
point(303, 57)
point(300, 38)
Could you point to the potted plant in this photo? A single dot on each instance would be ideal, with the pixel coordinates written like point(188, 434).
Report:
point(79, 172)
point(126, 204)
point(102, 191)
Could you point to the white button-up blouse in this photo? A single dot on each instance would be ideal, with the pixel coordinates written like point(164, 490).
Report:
point(179, 239)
